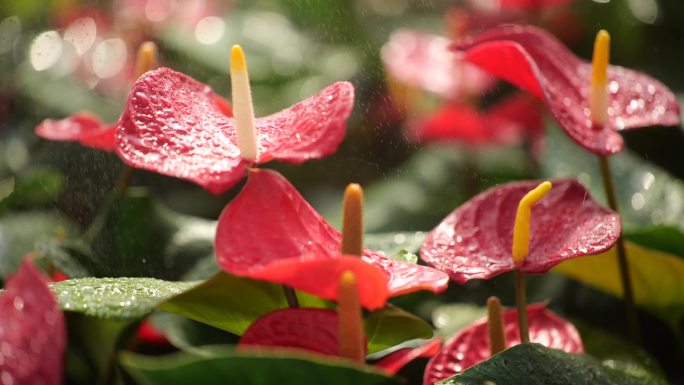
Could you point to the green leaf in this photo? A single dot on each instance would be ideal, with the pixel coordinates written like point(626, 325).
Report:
point(232, 303)
point(529, 364)
point(395, 243)
point(391, 326)
point(247, 368)
point(663, 238)
point(404, 255)
point(188, 335)
point(656, 278)
point(33, 187)
point(22, 233)
point(616, 353)
point(450, 319)
point(647, 195)
point(116, 298)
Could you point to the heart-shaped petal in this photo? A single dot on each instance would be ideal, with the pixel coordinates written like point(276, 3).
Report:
point(471, 345)
point(538, 63)
point(474, 241)
point(313, 330)
point(423, 61)
point(32, 330)
point(270, 232)
point(172, 125)
point(84, 127)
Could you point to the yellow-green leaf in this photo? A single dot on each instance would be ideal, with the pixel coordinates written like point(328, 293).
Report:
point(656, 277)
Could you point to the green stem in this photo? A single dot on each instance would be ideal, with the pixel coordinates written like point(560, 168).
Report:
point(628, 292)
point(122, 183)
point(521, 304)
point(291, 297)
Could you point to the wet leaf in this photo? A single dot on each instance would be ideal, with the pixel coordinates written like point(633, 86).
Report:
point(533, 363)
point(234, 367)
point(116, 298)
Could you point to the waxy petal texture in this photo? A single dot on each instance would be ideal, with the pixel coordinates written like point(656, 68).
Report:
point(424, 61)
point(471, 345)
point(32, 331)
point(538, 63)
point(83, 127)
point(507, 122)
point(474, 241)
point(172, 125)
point(313, 330)
point(270, 232)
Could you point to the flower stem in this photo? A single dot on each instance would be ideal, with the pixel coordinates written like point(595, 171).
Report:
point(628, 293)
point(122, 183)
point(521, 304)
point(291, 297)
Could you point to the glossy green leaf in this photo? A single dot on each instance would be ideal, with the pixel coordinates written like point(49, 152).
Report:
point(617, 353)
point(391, 326)
point(662, 238)
point(116, 298)
point(247, 368)
point(656, 278)
point(529, 364)
point(232, 303)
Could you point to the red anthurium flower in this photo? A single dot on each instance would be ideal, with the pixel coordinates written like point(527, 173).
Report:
point(312, 330)
point(423, 61)
point(90, 131)
point(471, 345)
point(475, 240)
point(537, 62)
point(507, 122)
point(171, 125)
point(270, 232)
point(32, 331)
point(83, 127)
point(317, 330)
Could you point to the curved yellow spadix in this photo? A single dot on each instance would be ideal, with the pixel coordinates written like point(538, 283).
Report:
point(521, 229)
point(598, 102)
